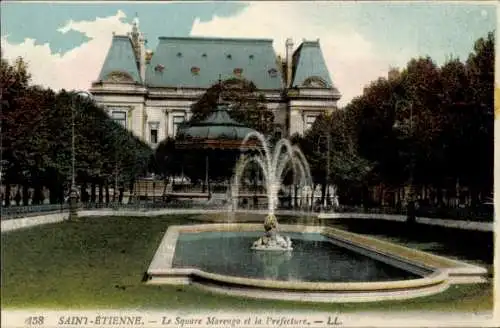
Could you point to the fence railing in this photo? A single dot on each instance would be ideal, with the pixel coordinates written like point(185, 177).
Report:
point(14, 212)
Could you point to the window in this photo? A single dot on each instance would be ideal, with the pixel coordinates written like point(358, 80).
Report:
point(120, 117)
point(238, 71)
point(309, 122)
point(315, 82)
point(177, 121)
point(159, 68)
point(153, 132)
point(195, 70)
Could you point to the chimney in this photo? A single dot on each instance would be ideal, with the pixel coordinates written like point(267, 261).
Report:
point(139, 45)
point(142, 57)
point(289, 54)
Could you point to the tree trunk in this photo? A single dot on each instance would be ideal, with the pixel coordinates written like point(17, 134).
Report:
point(439, 196)
point(120, 197)
point(18, 197)
point(53, 194)
point(107, 192)
point(7, 194)
point(474, 196)
point(92, 192)
point(83, 192)
point(131, 192)
point(101, 193)
point(323, 193)
point(26, 194)
point(37, 194)
point(60, 194)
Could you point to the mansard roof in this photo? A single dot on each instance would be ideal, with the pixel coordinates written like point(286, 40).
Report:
point(120, 63)
point(199, 62)
point(310, 67)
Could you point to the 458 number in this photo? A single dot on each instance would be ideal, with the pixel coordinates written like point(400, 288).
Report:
point(37, 320)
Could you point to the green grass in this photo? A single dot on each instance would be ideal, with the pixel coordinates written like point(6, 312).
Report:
point(99, 263)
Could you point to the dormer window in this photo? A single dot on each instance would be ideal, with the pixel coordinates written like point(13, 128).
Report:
point(159, 68)
point(204, 55)
point(195, 70)
point(315, 82)
point(251, 56)
point(228, 56)
point(117, 77)
point(179, 54)
point(238, 71)
point(273, 72)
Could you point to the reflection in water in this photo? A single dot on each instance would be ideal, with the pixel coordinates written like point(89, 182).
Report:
point(271, 262)
point(314, 258)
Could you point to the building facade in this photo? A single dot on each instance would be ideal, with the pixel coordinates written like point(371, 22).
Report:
point(151, 93)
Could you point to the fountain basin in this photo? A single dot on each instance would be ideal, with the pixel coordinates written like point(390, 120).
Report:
point(419, 273)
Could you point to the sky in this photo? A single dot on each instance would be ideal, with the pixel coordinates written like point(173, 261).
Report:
point(65, 44)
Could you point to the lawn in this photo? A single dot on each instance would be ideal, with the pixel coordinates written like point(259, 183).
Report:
point(99, 263)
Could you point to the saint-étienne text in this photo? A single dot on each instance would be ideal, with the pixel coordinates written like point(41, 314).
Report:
point(101, 320)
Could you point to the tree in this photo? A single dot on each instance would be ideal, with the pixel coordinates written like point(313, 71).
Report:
point(37, 139)
point(14, 83)
point(332, 141)
point(478, 118)
point(423, 126)
point(246, 105)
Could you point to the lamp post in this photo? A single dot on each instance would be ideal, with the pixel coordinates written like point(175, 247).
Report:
point(328, 138)
point(73, 195)
point(410, 204)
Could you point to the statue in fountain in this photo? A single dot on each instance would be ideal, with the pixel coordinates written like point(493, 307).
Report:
point(271, 240)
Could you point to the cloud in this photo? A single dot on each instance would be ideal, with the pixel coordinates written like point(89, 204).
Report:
point(77, 68)
point(353, 61)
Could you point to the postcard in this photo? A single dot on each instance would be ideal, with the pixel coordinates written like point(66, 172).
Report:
point(248, 164)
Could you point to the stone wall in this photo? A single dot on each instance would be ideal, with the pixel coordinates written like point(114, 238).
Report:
point(14, 224)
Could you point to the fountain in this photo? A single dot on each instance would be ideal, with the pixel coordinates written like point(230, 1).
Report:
point(272, 162)
point(327, 264)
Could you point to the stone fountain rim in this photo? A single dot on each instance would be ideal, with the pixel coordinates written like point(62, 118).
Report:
point(436, 274)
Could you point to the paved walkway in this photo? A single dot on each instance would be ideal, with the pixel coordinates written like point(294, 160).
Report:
point(458, 224)
point(13, 224)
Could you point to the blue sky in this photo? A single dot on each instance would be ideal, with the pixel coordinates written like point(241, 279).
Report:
point(359, 40)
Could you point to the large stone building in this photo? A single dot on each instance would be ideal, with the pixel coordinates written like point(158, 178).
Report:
point(151, 93)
